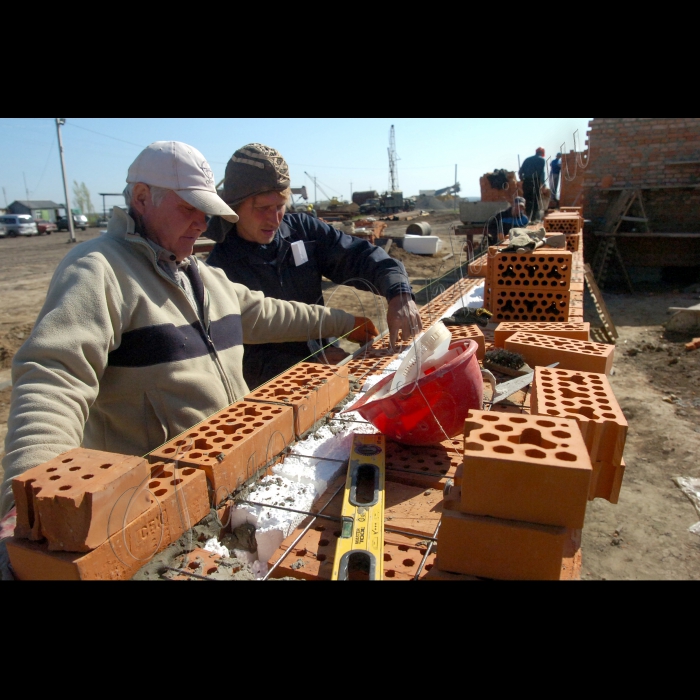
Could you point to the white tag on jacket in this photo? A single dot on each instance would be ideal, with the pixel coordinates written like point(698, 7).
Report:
point(299, 253)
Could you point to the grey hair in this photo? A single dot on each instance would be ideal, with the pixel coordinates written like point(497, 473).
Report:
point(157, 194)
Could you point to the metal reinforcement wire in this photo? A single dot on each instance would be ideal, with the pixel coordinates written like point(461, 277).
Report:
point(302, 533)
point(427, 551)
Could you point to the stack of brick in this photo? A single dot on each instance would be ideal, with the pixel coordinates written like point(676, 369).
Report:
point(508, 193)
point(568, 221)
point(91, 515)
point(532, 286)
point(588, 399)
point(519, 499)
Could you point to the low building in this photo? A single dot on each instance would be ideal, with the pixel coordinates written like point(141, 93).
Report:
point(37, 208)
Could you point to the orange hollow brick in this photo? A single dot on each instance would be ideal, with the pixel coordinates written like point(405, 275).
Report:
point(577, 331)
point(527, 305)
point(588, 398)
point(179, 500)
point(572, 354)
point(231, 445)
point(532, 270)
point(311, 389)
point(76, 500)
point(607, 478)
point(527, 468)
point(499, 548)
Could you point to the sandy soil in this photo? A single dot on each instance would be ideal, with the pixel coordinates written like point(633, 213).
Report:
point(657, 383)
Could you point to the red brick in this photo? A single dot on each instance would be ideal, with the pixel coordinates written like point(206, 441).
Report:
point(542, 350)
point(589, 399)
point(577, 331)
point(178, 503)
point(527, 468)
point(311, 389)
point(500, 549)
point(232, 445)
point(77, 499)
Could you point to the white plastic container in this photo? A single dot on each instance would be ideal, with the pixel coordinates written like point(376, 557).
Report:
point(423, 245)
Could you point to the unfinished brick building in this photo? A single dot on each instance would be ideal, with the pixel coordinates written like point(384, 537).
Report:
point(658, 157)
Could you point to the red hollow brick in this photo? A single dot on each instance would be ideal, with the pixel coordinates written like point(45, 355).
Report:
point(311, 389)
point(179, 500)
point(572, 354)
point(529, 468)
point(577, 331)
point(498, 548)
point(589, 399)
point(77, 499)
point(232, 445)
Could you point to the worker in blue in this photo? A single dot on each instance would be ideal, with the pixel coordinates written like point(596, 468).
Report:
point(499, 226)
point(286, 256)
point(554, 176)
point(531, 174)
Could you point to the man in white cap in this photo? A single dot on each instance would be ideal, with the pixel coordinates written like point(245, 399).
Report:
point(137, 341)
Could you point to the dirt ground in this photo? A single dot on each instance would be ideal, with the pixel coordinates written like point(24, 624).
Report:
point(657, 383)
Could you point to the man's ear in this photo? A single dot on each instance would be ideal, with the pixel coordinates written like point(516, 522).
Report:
point(141, 197)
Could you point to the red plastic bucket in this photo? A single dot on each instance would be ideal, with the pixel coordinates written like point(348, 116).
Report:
point(431, 409)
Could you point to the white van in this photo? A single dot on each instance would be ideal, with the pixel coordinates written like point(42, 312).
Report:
point(12, 225)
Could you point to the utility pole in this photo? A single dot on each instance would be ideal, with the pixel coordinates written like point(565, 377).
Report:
point(26, 191)
point(351, 191)
point(315, 199)
point(5, 195)
point(69, 213)
point(456, 207)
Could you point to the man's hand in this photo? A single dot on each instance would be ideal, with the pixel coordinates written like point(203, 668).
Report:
point(403, 316)
point(364, 331)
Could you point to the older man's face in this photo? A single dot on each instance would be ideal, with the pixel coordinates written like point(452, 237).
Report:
point(174, 224)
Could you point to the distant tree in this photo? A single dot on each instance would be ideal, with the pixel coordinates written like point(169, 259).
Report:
point(82, 197)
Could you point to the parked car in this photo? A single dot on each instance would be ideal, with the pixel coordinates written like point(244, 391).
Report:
point(79, 221)
point(18, 225)
point(46, 227)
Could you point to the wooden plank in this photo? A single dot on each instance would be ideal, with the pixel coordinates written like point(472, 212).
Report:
point(601, 308)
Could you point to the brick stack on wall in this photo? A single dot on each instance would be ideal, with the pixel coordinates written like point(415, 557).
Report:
point(507, 194)
point(659, 155)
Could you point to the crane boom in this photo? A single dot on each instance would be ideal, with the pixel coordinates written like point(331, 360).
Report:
point(393, 158)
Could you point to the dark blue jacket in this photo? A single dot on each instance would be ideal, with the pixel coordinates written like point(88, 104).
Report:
point(533, 167)
point(332, 254)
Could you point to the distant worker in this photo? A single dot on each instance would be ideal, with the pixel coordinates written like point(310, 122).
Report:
point(554, 176)
point(514, 217)
point(286, 256)
point(532, 176)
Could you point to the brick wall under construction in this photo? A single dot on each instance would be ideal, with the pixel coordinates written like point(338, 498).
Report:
point(659, 155)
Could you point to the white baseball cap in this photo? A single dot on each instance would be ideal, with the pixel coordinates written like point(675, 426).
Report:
point(176, 166)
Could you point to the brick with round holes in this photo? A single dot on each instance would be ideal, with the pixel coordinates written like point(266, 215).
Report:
point(530, 468)
point(577, 331)
point(232, 445)
point(311, 389)
point(178, 501)
point(588, 398)
point(542, 350)
point(71, 499)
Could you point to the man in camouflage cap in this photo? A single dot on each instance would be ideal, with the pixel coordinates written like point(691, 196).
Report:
point(287, 255)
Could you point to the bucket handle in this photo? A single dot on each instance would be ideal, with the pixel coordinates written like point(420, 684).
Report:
point(488, 376)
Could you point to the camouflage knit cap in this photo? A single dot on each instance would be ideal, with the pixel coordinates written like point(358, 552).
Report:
point(252, 170)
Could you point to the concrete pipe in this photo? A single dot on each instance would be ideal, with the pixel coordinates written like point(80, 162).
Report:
point(418, 228)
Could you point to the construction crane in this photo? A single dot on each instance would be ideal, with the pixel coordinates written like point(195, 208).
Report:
point(323, 192)
point(452, 189)
point(393, 158)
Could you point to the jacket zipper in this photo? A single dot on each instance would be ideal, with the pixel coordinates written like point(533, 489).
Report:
point(224, 379)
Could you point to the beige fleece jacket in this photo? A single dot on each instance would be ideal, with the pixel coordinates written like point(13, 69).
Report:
point(118, 359)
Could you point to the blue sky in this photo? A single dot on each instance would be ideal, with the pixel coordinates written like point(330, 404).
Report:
point(340, 153)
